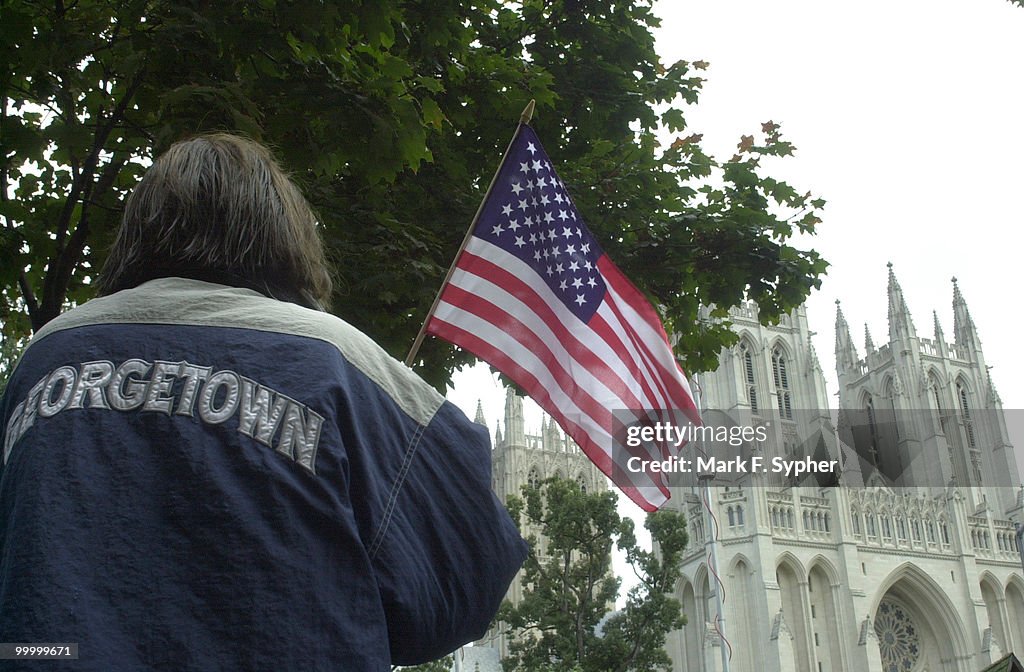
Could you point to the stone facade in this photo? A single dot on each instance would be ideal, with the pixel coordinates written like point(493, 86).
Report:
point(912, 564)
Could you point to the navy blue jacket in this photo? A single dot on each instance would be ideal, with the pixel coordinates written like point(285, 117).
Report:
point(198, 477)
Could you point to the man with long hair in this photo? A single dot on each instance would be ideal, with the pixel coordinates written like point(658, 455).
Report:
point(203, 470)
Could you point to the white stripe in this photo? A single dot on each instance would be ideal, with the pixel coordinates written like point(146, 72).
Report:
point(637, 361)
point(483, 287)
point(663, 356)
point(529, 361)
point(573, 368)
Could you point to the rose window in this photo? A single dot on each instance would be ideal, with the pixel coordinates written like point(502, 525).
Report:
point(897, 637)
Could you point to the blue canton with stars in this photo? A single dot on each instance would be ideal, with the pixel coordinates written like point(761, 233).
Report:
point(529, 215)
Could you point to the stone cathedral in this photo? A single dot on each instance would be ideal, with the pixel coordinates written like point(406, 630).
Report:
point(912, 565)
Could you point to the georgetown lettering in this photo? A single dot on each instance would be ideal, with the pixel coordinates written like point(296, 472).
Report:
point(173, 388)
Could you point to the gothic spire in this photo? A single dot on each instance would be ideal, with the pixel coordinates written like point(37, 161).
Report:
point(869, 345)
point(479, 419)
point(963, 326)
point(900, 323)
point(515, 423)
point(939, 336)
point(846, 352)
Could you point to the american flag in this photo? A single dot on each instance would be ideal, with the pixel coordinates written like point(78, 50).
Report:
point(533, 294)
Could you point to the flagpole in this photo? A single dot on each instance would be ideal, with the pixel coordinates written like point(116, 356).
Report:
point(524, 118)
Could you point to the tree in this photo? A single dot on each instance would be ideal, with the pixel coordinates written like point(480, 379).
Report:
point(562, 621)
point(439, 665)
point(391, 116)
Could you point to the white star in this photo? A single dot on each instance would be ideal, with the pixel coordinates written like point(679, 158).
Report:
point(587, 265)
point(522, 204)
point(530, 148)
point(570, 249)
point(519, 241)
point(574, 266)
point(580, 300)
point(536, 166)
point(591, 282)
point(547, 166)
point(528, 221)
point(577, 283)
point(573, 213)
point(533, 239)
point(578, 232)
point(566, 232)
point(533, 202)
point(524, 167)
point(555, 251)
point(550, 272)
point(586, 248)
point(542, 182)
point(558, 267)
point(544, 200)
point(497, 229)
point(536, 255)
point(562, 285)
point(530, 185)
point(513, 225)
point(507, 210)
point(548, 218)
point(558, 197)
point(516, 188)
point(562, 215)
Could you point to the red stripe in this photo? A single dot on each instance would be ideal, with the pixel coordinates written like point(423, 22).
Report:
point(680, 397)
point(630, 293)
point(579, 351)
point(529, 382)
point(516, 330)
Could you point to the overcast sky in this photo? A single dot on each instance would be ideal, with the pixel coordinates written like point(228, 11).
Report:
point(907, 117)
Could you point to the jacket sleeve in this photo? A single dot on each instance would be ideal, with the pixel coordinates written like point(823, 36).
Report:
point(450, 550)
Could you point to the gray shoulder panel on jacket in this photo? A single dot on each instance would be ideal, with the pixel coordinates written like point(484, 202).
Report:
point(192, 302)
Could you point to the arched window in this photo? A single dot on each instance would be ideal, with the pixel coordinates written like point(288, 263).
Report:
point(732, 517)
point(533, 479)
point(933, 380)
point(739, 516)
point(582, 482)
point(748, 376)
point(890, 393)
point(782, 392)
point(873, 432)
point(965, 413)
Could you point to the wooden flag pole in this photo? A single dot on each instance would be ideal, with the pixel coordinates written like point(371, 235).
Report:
point(524, 118)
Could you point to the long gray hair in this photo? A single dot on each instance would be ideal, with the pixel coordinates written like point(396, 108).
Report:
point(220, 207)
